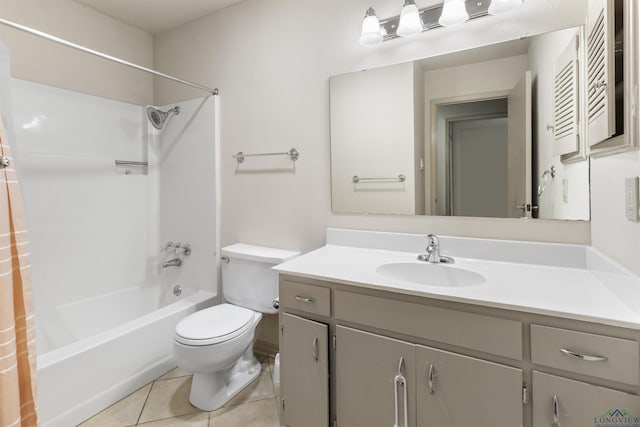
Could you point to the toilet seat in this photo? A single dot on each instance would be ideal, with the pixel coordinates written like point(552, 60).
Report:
point(214, 325)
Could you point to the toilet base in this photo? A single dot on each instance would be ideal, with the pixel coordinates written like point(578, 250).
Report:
point(210, 391)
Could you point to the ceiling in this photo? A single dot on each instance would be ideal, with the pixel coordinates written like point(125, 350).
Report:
point(156, 16)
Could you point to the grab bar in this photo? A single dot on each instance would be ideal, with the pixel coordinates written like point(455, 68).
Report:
point(130, 163)
point(545, 178)
point(400, 178)
point(293, 155)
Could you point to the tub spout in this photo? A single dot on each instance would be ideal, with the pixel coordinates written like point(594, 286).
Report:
point(176, 262)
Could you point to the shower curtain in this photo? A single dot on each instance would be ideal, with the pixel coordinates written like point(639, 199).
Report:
point(17, 322)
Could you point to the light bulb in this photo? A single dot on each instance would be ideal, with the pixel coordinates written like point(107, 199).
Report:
point(371, 34)
point(454, 12)
point(503, 6)
point(410, 23)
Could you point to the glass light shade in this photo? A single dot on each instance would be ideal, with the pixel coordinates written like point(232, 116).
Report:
point(371, 34)
point(503, 6)
point(410, 23)
point(454, 12)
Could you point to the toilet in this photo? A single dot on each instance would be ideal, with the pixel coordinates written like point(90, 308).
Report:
point(216, 344)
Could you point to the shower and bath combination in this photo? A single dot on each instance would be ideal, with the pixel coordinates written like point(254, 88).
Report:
point(158, 118)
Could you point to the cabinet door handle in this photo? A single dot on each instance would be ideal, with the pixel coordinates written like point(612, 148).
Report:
point(304, 299)
point(584, 357)
point(431, 378)
point(314, 349)
point(555, 410)
point(400, 381)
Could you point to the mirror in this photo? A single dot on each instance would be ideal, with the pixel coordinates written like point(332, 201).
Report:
point(493, 131)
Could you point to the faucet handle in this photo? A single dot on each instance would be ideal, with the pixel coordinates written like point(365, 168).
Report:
point(167, 246)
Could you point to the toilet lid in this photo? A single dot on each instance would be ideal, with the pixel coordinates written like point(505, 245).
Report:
point(214, 324)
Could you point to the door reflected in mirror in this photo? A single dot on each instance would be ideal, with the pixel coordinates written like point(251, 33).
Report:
point(471, 133)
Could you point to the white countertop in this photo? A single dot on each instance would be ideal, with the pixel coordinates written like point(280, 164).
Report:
point(606, 297)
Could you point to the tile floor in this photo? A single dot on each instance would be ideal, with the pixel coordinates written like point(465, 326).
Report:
point(165, 402)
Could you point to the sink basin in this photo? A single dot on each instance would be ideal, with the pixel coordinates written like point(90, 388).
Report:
point(423, 273)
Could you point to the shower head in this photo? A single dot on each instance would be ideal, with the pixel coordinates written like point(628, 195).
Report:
point(158, 118)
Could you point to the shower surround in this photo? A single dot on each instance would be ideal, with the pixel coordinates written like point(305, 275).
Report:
point(105, 308)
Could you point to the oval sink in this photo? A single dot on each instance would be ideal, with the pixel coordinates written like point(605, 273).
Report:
point(424, 273)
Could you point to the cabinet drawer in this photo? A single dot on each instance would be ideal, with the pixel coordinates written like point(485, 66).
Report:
point(610, 358)
point(307, 298)
point(577, 404)
point(483, 333)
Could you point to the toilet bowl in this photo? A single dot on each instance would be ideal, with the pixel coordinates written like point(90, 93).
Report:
point(216, 344)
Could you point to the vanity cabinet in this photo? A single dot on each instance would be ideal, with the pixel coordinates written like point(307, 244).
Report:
point(560, 402)
point(409, 361)
point(305, 381)
point(375, 380)
point(454, 390)
point(379, 378)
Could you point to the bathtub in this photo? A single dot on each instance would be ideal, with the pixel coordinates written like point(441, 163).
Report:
point(115, 344)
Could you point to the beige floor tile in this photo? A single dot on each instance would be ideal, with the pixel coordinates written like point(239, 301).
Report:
point(261, 388)
point(261, 413)
point(195, 420)
point(122, 413)
point(174, 373)
point(168, 398)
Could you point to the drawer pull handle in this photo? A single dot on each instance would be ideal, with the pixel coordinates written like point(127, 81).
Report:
point(303, 299)
point(314, 349)
point(583, 356)
point(555, 410)
point(431, 378)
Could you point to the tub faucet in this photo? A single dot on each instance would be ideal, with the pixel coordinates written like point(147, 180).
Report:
point(433, 252)
point(175, 262)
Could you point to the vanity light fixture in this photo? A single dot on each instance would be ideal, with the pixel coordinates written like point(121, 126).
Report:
point(371, 30)
point(413, 21)
point(454, 12)
point(410, 23)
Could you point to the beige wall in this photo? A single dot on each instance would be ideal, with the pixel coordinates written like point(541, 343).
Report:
point(42, 61)
point(273, 76)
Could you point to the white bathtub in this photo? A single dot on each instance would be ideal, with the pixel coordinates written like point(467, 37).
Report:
point(122, 342)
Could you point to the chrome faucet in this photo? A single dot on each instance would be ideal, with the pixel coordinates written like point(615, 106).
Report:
point(433, 252)
point(175, 262)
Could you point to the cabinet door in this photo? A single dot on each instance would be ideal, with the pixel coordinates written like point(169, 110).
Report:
point(559, 402)
point(459, 391)
point(367, 369)
point(304, 374)
point(601, 102)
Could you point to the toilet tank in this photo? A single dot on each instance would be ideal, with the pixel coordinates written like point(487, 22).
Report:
point(247, 278)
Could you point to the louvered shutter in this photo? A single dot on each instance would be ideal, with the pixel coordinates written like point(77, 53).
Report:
point(566, 109)
point(600, 71)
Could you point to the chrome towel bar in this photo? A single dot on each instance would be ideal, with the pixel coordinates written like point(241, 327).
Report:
point(130, 163)
point(400, 178)
point(293, 155)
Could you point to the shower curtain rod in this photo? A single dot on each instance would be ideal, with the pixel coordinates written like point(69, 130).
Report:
point(103, 55)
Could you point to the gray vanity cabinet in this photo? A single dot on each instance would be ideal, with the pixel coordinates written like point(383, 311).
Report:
point(369, 389)
point(305, 381)
point(454, 390)
point(561, 402)
point(452, 365)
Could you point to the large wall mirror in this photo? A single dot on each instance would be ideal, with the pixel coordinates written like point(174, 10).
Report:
point(494, 131)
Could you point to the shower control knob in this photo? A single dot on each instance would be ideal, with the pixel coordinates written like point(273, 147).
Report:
point(4, 162)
